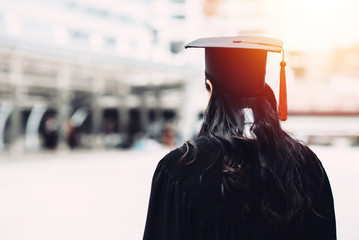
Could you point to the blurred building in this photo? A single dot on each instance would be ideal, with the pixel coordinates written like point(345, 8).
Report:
point(105, 73)
point(325, 81)
point(94, 67)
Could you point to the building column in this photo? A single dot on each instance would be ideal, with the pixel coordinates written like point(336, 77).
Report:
point(96, 114)
point(32, 141)
point(16, 78)
point(96, 109)
point(143, 113)
point(123, 111)
point(63, 104)
point(158, 110)
point(5, 112)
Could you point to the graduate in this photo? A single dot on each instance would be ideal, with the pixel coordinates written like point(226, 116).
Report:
point(242, 177)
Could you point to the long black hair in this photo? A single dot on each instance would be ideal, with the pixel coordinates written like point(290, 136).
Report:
point(265, 171)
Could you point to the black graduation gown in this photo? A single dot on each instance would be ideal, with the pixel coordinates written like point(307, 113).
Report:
point(186, 204)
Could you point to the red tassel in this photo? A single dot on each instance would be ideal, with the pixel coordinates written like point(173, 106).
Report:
point(282, 106)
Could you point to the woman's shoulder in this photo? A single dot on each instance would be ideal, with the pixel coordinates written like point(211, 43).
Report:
point(312, 168)
point(189, 149)
point(193, 154)
point(311, 158)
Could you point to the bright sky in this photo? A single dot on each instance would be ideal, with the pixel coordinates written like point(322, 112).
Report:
point(313, 24)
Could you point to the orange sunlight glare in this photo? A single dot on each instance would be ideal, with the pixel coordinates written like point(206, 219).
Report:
point(320, 24)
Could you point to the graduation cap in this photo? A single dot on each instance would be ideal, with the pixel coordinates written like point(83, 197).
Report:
point(237, 65)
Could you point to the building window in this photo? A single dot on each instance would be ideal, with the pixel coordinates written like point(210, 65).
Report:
point(177, 46)
point(97, 12)
point(80, 35)
point(179, 17)
point(110, 41)
point(299, 72)
point(71, 4)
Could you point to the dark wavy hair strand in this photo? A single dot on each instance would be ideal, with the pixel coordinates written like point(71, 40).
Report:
point(273, 177)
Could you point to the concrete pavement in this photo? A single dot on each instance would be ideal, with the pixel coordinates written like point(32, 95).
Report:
point(104, 194)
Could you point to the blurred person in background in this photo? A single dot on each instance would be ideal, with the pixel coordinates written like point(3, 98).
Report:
point(51, 132)
point(168, 136)
point(242, 177)
point(73, 139)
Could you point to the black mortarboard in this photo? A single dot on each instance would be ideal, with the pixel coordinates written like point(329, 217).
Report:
point(237, 65)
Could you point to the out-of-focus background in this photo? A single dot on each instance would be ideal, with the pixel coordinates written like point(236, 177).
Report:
point(94, 93)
